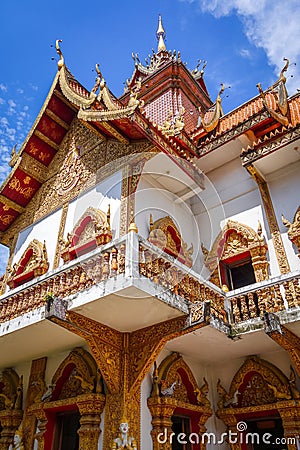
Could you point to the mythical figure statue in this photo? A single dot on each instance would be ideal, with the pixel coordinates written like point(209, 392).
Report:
point(18, 442)
point(201, 394)
point(124, 441)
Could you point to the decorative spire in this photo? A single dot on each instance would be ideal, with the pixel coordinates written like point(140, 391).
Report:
point(161, 35)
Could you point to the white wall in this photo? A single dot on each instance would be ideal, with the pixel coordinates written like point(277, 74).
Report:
point(161, 203)
point(232, 194)
point(284, 186)
point(43, 230)
point(108, 192)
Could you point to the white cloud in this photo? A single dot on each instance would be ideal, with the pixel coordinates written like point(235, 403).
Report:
point(3, 88)
point(11, 103)
point(20, 91)
point(269, 24)
point(33, 87)
point(2, 101)
point(245, 53)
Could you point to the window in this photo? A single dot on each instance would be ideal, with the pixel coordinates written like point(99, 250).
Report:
point(237, 274)
point(181, 425)
point(66, 427)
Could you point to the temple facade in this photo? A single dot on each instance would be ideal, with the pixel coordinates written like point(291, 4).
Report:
point(151, 298)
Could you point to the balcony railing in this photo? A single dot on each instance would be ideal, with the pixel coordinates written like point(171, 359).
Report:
point(135, 259)
point(277, 294)
point(75, 276)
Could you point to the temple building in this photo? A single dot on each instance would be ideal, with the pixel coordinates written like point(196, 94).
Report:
point(151, 299)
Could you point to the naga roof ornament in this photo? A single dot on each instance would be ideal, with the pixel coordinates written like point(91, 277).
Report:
point(278, 89)
point(198, 72)
point(79, 96)
point(93, 106)
point(210, 119)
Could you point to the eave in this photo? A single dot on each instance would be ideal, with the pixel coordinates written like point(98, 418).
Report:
point(251, 116)
point(29, 165)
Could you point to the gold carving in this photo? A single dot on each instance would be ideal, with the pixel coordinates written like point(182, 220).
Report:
point(61, 230)
point(93, 227)
point(291, 343)
point(173, 125)
point(259, 387)
point(210, 120)
point(236, 239)
point(165, 235)
point(182, 392)
point(294, 229)
point(33, 262)
point(272, 221)
point(281, 97)
point(70, 171)
point(16, 185)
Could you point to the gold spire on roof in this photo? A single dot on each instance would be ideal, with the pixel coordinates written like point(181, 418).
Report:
point(161, 35)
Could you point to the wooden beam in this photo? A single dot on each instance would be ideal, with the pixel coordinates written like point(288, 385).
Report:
point(11, 204)
point(57, 119)
point(46, 139)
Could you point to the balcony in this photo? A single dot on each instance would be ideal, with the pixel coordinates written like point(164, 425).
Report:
point(129, 284)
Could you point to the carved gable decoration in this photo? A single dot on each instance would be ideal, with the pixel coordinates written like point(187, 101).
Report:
point(258, 382)
point(70, 171)
point(175, 392)
point(33, 263)
point(76, 375)
point(174, 379)
point(91, 231)
point(165, 235)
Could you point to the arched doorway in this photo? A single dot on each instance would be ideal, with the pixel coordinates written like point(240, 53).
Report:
point(179, 408)
point(70, 411)
point(262, 407)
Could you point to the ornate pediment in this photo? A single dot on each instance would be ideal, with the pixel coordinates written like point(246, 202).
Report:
point(91, 231)
point(165, 235)
point(234, 242)
point(33, 263)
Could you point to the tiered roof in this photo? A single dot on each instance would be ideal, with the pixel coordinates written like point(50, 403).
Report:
point(164, 102)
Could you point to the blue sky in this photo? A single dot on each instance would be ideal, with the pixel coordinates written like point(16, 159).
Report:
point(243, 42)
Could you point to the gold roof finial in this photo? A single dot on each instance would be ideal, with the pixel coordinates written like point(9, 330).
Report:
point(161, 35)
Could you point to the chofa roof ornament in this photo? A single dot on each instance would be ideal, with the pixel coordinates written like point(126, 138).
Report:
point(278, 89)
point(210, 119)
